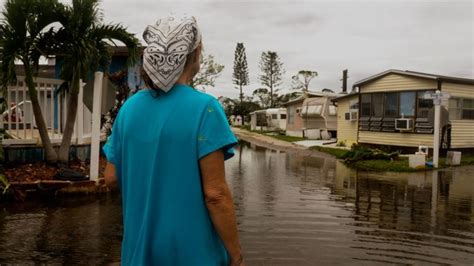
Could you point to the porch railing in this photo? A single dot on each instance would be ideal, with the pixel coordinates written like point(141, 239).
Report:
point(19, 120)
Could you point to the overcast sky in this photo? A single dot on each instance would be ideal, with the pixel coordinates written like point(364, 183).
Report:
point(366, 37)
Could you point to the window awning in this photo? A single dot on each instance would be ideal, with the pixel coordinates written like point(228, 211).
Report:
point(311, 110)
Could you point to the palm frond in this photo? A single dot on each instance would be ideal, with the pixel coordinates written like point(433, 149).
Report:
point(119, 33)
point(14, 16)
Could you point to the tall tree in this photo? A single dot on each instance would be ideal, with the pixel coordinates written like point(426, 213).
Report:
point(262, 95)
point(241, 71)
point(209, 72)
point(228, 104)
point(85, 44)
point(283, 98)
point(302, 79)
point(245, 108)
point(272, 72)
point(23, 37)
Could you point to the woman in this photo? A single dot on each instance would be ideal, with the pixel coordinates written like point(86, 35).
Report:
point(166, 154)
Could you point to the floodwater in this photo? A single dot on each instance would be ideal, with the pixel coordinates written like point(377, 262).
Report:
point(292, 210)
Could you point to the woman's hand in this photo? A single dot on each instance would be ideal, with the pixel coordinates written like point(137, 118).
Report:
point(237, 262)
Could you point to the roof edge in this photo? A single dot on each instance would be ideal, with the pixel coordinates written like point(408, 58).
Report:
point(415, 74)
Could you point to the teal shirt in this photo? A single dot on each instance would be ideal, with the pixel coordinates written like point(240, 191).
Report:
point(155, 145)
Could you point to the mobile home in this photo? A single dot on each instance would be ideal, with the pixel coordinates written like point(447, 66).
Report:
point(390, 109)
point(272, 119)
point(311, 114)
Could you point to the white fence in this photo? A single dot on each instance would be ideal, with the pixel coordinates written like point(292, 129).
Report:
point(19, 121)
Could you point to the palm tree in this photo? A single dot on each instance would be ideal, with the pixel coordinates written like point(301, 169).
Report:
point(84, 43)
point(22, 38)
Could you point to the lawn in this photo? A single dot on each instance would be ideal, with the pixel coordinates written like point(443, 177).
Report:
point(397, 165)
point(275, 135)
point(285, 138)
point(338, 153)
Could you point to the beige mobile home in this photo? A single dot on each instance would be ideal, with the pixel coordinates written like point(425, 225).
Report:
point(392, 110)
point(310, 113)
point(294, 122)
point(347, 118)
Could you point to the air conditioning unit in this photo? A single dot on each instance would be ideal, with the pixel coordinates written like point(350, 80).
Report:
point(350, 116)
point(404, 124)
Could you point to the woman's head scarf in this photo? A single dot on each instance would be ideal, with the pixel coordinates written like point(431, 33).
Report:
point(169, 41)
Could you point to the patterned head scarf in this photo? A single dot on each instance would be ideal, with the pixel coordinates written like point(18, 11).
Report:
point(169, 41)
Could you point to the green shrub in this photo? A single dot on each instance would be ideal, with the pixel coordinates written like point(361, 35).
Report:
point(360, 152)
point(338, 153)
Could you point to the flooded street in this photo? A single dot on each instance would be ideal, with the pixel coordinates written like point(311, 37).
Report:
point(301, 210)
point(292, 210)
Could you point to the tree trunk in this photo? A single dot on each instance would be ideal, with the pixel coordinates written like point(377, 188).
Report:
point(271, 95)
point(51, 155)
point(271, 85)
point(70, 120)
point(241, 96)
point(241, 105)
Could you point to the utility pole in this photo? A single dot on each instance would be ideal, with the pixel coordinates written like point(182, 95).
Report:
point(437, 97)
point(344, 81)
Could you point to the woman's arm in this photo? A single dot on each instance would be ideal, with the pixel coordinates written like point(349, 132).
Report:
point(110, 176)
point(219, 203)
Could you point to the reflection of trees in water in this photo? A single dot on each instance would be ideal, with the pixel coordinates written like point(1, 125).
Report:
point(237, 182)
point(264, 169)
point(274, 168)
point(310, 169)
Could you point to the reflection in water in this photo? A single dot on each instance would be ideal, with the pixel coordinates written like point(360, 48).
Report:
point(292, 210)
point(298, 210)
point(73, 231)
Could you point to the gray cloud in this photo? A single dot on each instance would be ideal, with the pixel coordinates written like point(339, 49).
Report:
point(365, 37)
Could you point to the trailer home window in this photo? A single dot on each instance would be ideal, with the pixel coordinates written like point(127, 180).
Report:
point(424, 105)
point(461, 109)
point(377, 105)
point(311, 110)
point(379, 111)
point(365, 101)
point(407, 104)
point(354, 105)
point(391, 104)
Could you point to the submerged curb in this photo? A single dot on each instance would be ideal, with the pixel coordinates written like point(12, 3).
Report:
point(276, 144)
point(21, 191)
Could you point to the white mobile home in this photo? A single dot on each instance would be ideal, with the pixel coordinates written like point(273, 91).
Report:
point(276, 118)
point(272, 119)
